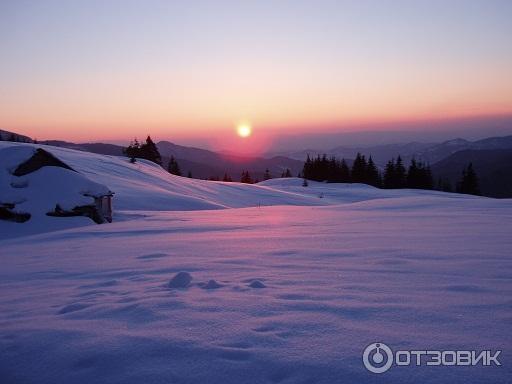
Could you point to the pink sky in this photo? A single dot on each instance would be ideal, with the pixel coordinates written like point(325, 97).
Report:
point(181, 71)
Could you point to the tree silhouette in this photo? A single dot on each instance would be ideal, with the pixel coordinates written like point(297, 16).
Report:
point(372, 176)
point(359, 169)
point(147, 151)
point(469, 182)
point(173, 167)
point(400, 174)
point(246, 178)
point(286, 173)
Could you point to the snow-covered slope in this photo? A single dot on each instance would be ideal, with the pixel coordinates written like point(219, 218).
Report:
point(180, 290)
point(144, 186)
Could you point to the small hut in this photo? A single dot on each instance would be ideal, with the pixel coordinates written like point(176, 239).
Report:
point(69, 196)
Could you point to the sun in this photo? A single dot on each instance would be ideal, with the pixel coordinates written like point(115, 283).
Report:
point(244, 130)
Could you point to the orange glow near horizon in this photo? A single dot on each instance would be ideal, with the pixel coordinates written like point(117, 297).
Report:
point(188, 70)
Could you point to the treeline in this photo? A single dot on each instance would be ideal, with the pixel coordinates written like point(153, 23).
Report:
point(416, 176)
point(333, 170)
point(147, 151)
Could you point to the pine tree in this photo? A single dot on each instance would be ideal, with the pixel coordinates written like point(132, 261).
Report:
point(389, 175)
point(227, 178)
point(307, 170)
point(133, 150)
point(286, 173)
point(246, 178)
point(427, 181)
point(173, 167)
point(150, 152)
point(419, 176)
point(372, 176)
point(266, 175)
point(469, 182)
point(189, 174)
point(344, 172)
point(400, 174)
point(359, 169)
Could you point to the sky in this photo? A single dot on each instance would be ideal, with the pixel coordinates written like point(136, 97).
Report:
point(190, 71)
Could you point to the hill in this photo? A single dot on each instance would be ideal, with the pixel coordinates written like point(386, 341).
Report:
point(493, 168)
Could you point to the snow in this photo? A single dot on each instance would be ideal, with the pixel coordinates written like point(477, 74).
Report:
point(38, 193)
point(286, 287)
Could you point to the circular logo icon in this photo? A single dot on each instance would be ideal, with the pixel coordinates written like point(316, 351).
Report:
point(377, 357)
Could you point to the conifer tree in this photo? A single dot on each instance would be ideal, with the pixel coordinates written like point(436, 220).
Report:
point(266, 175)
point(413, 175)
point(133, 150)
point(246, 178)
point(400, 174)
point(189, 174)
point(469, 181)
point(286, 173)
point(150, 152)
point(173, 167)
point(389, 174)
point(359, 169)
point(372, 176)
point(344, 172)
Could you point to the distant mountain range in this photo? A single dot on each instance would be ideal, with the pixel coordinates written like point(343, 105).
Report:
point(430, 153)
point(203, 163)
point(491, 158)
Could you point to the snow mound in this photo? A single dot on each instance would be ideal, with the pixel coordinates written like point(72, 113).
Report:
point(180, 280)
point(257, 284)
point(212, 284)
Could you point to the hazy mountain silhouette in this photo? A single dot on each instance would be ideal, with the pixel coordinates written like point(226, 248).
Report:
point(492, 166)
point(427, 152)
point(204, 163)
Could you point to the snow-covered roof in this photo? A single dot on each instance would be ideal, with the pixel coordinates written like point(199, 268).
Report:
point(44, 182)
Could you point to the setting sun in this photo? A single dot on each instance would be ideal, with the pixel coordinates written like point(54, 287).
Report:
point(244, 130)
